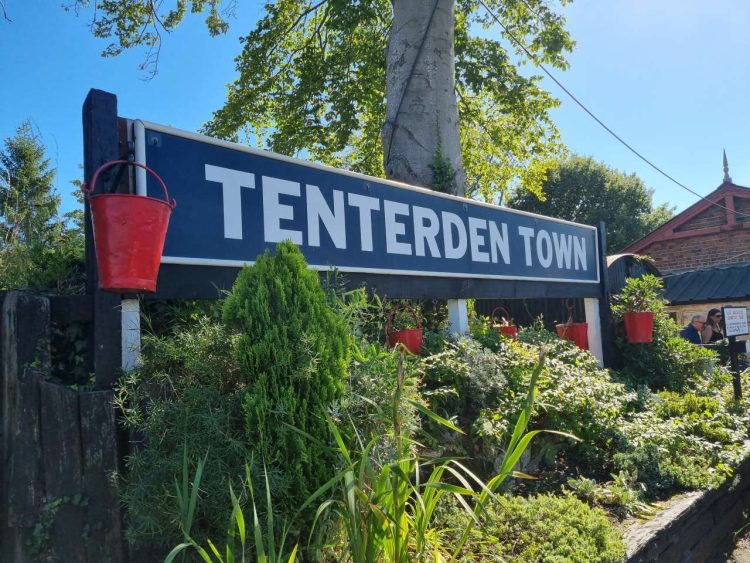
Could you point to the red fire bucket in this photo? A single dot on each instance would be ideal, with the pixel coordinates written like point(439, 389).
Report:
point(129, 232)
point(577, 332)
point(508, 329)
point(410, 338)
point(639, 326)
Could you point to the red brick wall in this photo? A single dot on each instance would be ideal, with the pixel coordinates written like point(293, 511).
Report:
point(742, 205)
point(712, 217)
point(729, 247)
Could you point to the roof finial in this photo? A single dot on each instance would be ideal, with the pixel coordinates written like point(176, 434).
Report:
point(727, 177)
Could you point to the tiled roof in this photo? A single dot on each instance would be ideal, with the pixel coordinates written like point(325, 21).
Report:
point(720, 283)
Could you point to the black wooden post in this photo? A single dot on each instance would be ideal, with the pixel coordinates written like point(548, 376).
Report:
point(735, 365)
point(100, 145)
point(609, 350)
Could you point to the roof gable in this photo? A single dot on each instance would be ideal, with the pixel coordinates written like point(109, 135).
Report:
point(703, 217)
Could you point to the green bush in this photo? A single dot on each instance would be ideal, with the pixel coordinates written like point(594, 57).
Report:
point(185, 395)
point(683, 441)
point(670, 361)
point(484, 390)
point(366, 412)
point(293, 350)
point(544, 528)
point(254, 390)
point(458, 384)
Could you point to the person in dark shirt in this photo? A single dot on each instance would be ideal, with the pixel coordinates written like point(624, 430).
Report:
point(711, 331)
point(692, 332)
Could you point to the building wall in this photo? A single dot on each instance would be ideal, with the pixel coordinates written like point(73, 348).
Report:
point(727, 247)
point(711, 217)
point(742, 205)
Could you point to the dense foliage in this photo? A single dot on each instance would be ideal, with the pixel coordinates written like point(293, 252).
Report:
point(234, 392)
point(544, 528)
point(39, 249)
point(396, 456)
point(653, 441)
point(669, 362)
point(186, 397)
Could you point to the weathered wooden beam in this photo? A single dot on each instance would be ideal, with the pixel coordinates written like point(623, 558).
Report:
point(23, 477)
point(99, 445)
point(101, 143)
point(61, 464)
point(68, 309)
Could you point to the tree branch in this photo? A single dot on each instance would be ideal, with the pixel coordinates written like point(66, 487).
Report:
point(5, 12)
point(304, 14)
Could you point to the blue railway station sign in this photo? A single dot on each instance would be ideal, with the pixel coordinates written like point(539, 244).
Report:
point(234, 202)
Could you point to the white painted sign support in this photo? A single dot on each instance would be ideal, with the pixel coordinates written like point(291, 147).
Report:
point(130, 327)
point(458, 316)
point(596, 346)
point(131, 334)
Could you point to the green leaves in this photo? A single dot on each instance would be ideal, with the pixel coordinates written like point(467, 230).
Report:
point(312, 75)
point(38, 249)
point(293, 349)
point(640, 295)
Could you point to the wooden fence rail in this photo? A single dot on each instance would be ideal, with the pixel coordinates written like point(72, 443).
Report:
point(58, 448)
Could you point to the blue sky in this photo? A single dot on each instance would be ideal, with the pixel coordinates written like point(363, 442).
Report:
point(669, 76)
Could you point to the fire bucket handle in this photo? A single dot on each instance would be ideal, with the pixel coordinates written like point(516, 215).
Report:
point(506, 316)
point(571, 311)
point(389, 316)
point(112, 163)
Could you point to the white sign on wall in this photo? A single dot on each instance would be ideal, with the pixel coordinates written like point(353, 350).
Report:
point(735, 320)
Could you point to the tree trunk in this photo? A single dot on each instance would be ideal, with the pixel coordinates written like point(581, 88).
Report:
point(421, 108)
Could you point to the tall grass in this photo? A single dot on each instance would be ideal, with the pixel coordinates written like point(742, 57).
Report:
point(235, 545)
point(386, 513)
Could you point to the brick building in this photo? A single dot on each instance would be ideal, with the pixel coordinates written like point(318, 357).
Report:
point(704, 252)
point(704, 234)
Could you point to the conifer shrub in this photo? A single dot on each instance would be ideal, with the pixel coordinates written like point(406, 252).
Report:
point(542, 528)
point(253, 390)
point(293, 350)
point(546, 528)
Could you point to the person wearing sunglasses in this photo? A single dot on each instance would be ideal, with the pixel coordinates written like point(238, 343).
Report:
point(711, 331)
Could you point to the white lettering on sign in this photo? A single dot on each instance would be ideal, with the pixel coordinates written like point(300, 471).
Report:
point(527, 234)
point(409, 230)
point(426, 229)
point(499, 242)
point(366, 206)
point(393, 228)
point(563, 249)
point(579, 251)
point(454, 249)
point(544, 248)
point(274, 211)
point(477, 240)
point(231, 181)
point(333, 220)
point(557, 247)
